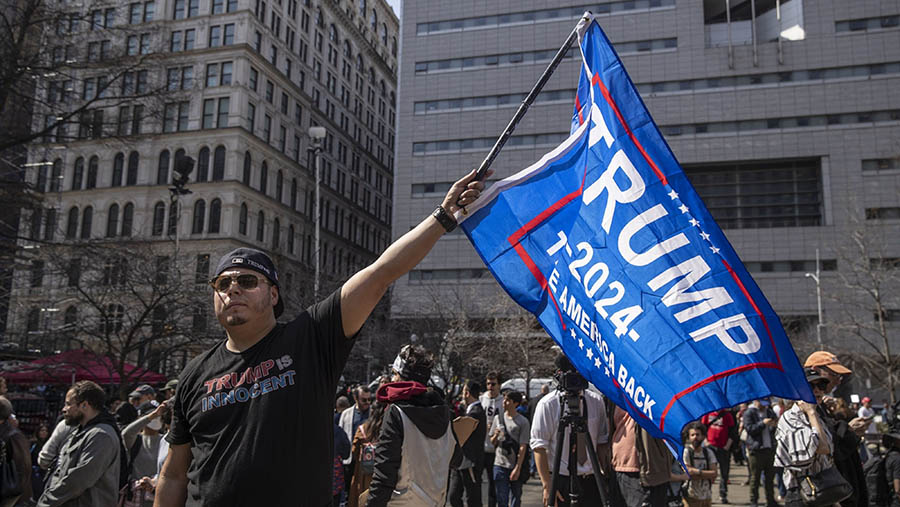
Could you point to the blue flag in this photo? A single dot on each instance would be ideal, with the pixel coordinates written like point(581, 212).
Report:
point(609, 245)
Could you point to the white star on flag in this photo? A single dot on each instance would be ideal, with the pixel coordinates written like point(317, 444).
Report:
point(683, 208)
point(714, 249)
point(572, 331)
point(704, 236)
point(673, 194)
point(580, 343)
point(695, 222)
point(590, 353)
point(597, 361)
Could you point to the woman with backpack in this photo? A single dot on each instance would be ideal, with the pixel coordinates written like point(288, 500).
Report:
point(364, 443)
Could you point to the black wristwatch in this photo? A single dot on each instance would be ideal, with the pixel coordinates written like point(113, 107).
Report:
point(444, 218)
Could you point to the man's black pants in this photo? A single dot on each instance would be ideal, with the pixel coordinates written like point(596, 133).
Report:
point(587, 489)
point(468, 482)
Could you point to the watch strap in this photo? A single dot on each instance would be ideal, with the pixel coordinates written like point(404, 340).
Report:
point(444, 218)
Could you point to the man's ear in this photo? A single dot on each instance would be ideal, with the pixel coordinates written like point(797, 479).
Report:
point(275, 294)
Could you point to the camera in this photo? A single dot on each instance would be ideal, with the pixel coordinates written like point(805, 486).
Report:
point(567, 378)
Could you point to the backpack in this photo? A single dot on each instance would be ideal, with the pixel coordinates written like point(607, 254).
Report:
point(686, 489)
point(525, 469)
point(876, 480)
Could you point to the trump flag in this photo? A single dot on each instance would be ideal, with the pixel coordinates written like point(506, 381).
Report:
point(609, 245)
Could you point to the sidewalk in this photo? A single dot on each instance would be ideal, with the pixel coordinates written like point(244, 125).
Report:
point(738, 494)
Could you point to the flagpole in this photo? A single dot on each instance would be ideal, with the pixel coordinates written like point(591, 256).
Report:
point(523, 107)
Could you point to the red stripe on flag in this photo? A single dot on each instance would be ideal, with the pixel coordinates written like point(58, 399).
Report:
point(578, 108)
point(612, 103)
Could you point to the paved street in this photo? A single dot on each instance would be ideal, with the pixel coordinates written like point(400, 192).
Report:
point(738, 494)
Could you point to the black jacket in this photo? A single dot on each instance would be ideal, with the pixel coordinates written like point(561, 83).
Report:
point(430, 415)
point(753, 423)
point(846, 458)
point(472, 452)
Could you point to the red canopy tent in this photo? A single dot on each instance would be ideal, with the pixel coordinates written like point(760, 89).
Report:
point(73, 365)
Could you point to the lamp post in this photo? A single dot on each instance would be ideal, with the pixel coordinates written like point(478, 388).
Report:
point(184, 165)
point(317, 134)
point(815, 277)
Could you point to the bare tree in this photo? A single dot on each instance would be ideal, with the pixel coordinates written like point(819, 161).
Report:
point(133, 302)
point(866, 292)
point(81, 70)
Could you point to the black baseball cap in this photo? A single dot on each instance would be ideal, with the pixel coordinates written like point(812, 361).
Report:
point(256, 260)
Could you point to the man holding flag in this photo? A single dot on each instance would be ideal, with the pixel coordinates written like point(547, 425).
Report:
point(608, 244)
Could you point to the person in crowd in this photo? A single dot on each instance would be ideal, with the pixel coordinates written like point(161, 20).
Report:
point(510, 439)
point(352, 417)
point(168, 390)
point(701, 467)
point(341, 452)
point(278, 429)
point(532, 403)
point(492, 403)
point(365, 441)
point(141, 439)
point(142, 395)
point(866, 412)
point(804, 443)
point(416, 444)
point(16, 447)
point(90, 460)
point(341, 404)
point(643, 464)
point(543, 442)
point(48, 456)
point(891, 486)
point(465, 479)
point(126, 413)
point(846, 431)
point(719, 426)
point(759, 422)
point(38, 474)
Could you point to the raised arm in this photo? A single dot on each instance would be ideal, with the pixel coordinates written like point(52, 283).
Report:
point(364, 289)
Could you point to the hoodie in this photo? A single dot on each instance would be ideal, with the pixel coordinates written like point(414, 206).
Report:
point(426, 409)
point(89, 466)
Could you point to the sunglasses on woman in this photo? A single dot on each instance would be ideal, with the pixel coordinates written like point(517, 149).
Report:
point(819, 384)
point(245, 281)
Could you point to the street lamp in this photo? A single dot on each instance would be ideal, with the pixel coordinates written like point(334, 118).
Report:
point(815, 277)
point(184, 165)
point(317, 134)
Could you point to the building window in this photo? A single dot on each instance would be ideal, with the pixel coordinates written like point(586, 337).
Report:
point(245, 179)
point(112, 221)
point(224, 109)
point(215, 213)
point(203, 158)
point(175, 116)
point(72, 223)
point(242, 220)
point(267, 128)
point(218, 173)
point(87, 221)
point(279, 185)
point(254, 77)
point(199, 217)
point(260, 226)
point(215, 36)
point(132, 175)
point(162, 169)
point(93, 164)
point(276, 234)
point(159, 218)
point(127, 219)
point(263, 177)
point(761, 194)
point(118, 169)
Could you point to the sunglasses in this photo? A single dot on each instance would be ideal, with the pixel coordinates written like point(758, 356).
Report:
point(819, 384)
point(245, 282)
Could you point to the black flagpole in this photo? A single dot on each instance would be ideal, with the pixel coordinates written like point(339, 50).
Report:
point(523, 107)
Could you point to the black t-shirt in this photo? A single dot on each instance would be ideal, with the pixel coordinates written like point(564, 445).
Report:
point(260, 422)
point(892, 471)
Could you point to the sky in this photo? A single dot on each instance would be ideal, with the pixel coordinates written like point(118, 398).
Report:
point(395, 4)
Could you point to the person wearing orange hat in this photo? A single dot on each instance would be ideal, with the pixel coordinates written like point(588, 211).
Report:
point(846, 434)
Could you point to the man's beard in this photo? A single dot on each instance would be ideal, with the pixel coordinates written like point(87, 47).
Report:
point(235, 320)
point(73, 420)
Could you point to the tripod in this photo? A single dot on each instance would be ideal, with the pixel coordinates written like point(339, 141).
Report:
point(571, 416)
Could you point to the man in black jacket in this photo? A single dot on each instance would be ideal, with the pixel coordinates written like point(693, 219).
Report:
point(412, 458)
point(467, 476)
point(845, 430)
point(759, 421)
